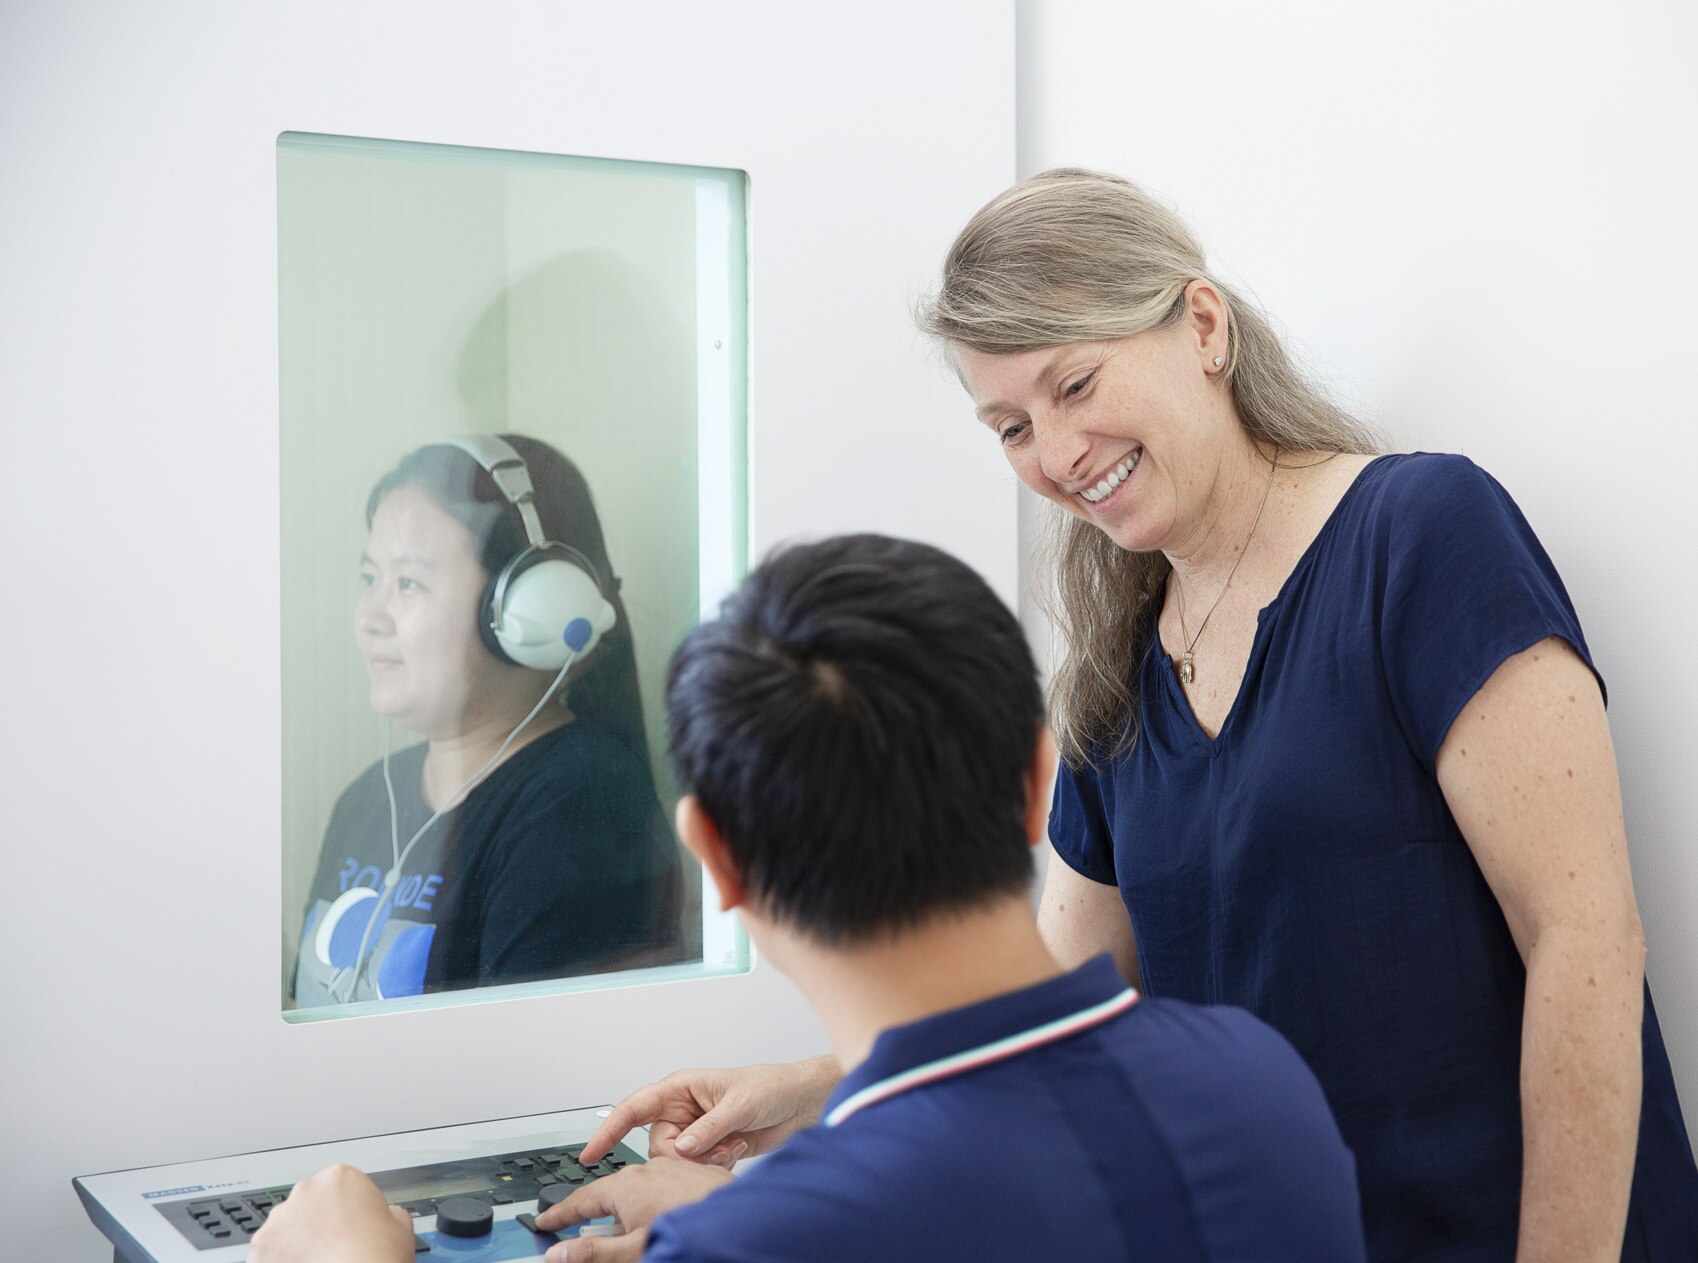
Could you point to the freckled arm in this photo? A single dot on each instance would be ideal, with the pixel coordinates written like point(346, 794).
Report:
point(1529, 772)
point(1080, 918)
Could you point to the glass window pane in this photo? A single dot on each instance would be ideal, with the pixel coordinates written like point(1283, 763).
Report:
point(474, 789)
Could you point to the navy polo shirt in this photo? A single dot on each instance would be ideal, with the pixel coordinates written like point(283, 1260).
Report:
point(1069, 1119)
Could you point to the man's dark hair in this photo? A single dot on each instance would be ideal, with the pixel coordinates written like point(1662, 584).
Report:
point(858, 723)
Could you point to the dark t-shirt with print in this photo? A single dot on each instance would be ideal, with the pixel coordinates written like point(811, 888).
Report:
point(559, 863)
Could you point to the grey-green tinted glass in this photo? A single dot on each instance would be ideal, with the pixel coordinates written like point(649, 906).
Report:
point(450, 824)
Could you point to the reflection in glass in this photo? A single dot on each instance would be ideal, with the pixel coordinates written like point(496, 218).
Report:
point(595, 308)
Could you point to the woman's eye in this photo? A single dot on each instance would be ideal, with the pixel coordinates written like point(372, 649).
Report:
point(1013, 433)
point(1076, 387)
point(408, 585)
point(367, 579)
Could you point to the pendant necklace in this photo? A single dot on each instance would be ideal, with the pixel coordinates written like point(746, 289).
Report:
point(1188, 672)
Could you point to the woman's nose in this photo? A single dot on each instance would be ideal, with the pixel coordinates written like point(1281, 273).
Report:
point(371, 612)
point(1062, 451)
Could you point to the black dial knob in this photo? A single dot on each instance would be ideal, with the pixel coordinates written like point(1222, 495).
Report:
point(552, 1196)
point(464, 1217)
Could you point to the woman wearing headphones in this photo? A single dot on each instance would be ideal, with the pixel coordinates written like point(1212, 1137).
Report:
point(524, 838)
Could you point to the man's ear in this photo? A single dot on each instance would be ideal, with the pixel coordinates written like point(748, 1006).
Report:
point(702, 839)
point(1040, 785)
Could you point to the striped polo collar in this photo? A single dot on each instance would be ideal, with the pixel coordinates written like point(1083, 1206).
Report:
point(961, 1040)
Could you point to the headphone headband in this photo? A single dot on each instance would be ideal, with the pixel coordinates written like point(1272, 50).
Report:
point(507, 469)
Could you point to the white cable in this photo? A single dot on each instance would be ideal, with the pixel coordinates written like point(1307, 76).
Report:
point(393, 877)
point(389, 788)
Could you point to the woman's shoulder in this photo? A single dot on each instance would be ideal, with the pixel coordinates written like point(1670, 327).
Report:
point(404, 768)
point(1416, 500)
point(583, 746)
point(576, 760)
point(1425, 482)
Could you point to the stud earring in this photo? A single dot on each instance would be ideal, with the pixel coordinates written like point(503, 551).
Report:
point(1219, 361)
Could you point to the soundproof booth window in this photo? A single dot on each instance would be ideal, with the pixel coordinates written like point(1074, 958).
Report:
point(513, 475)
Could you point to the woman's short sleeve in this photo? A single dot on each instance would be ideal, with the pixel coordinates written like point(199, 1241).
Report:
point(1467, 585)
point(1078, 822)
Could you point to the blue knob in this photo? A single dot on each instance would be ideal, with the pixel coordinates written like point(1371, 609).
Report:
point(578, 633)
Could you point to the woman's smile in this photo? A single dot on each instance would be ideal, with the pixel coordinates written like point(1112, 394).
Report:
point(1104, 489)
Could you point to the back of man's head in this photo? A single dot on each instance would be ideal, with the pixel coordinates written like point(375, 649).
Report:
point(858, 723)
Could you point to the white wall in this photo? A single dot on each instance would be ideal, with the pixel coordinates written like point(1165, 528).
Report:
point(1477, 220)
point(139, 522)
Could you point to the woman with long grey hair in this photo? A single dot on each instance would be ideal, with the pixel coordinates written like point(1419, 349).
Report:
point(1335, 747)
point(1335, 752)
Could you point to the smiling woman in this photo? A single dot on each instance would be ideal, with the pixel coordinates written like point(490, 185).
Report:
point(1336, 749)
point(1082, 318)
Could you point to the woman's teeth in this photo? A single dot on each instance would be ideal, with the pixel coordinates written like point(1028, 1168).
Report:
point(1119, 474)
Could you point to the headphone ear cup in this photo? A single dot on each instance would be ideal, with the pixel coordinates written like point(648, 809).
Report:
point(551, 609)
point(486, 618)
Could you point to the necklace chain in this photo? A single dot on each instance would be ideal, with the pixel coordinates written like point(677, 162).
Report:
point(1187, 670)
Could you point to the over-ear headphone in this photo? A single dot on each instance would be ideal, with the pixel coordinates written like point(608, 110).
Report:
point(547, 604)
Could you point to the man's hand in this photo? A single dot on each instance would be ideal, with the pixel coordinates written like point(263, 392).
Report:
point(721, 1116)
point(635, 1197)
point(336, 1216)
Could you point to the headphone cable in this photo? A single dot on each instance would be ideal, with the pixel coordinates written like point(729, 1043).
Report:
point(393, 877)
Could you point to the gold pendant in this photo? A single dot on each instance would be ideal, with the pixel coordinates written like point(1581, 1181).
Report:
point(1186, 674)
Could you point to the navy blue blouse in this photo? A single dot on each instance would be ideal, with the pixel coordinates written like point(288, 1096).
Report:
point(1303, 863)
